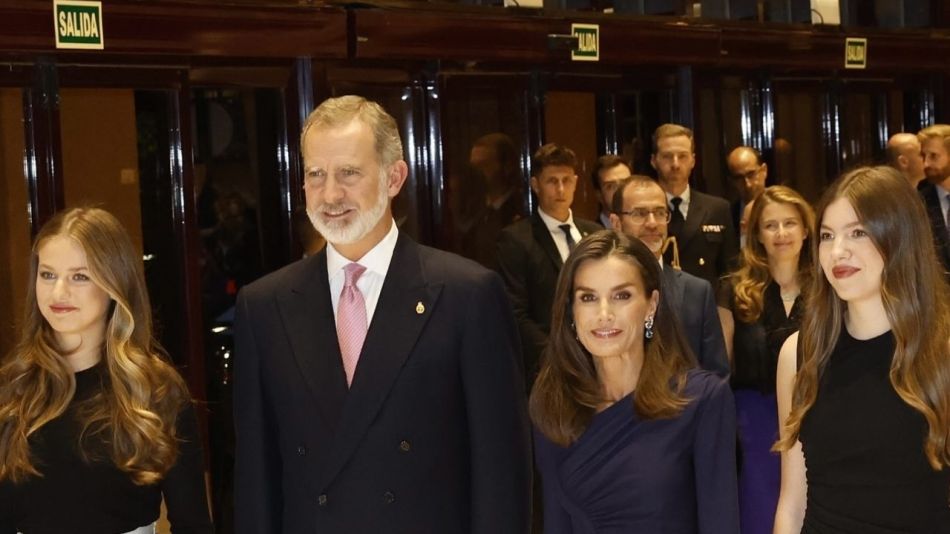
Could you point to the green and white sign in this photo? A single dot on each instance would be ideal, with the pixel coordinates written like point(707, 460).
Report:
point(855, 53)
point(588, 42)
point(78, 24)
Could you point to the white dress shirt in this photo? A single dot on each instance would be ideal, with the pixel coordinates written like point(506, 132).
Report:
point(560, 240)
point(370, 284)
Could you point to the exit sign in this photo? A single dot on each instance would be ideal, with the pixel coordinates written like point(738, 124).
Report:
point(855, 53)
point(78, 24)
point(588, 42)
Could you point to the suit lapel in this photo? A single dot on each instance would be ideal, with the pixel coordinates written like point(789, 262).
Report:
point(405, 304)
point(671, 285)
point(542, 236)
point(307, 312)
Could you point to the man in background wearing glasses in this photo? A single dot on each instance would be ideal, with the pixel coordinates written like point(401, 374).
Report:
point(749, 174)
point(640, 211)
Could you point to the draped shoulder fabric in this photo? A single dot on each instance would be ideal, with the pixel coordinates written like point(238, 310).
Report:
point(626, 474)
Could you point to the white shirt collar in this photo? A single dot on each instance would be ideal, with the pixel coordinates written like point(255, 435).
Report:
point(684, 196)
point(553, 224)
point(376, 260)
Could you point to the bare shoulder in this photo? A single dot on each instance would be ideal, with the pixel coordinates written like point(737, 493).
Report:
point(788, 356)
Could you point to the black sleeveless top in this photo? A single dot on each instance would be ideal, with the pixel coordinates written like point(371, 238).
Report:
point(864, 450)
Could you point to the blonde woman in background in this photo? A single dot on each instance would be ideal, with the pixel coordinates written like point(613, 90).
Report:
point(762, 305)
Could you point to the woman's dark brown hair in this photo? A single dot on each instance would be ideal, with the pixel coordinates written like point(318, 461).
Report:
point(567, 392)
point(916, 300)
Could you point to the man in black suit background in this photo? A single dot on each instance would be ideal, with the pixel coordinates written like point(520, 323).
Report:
point(606, 175)
point(532, 250)
point(640, 211)
point(701, 223)
point(378, 383)
point(935, 148)
point(748, 173)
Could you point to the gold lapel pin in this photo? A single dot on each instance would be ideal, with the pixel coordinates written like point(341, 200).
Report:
point(420, 309)
point(702, 261)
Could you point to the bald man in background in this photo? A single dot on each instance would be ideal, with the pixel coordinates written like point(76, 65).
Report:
point(748, 173)
point(903, 153)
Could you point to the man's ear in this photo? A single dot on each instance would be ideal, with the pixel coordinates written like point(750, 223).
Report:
point(534, 185)
point(653, 161)
point(615, 222)
point(396, 177)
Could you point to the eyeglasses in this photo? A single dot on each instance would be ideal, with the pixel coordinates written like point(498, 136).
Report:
point(640, 215)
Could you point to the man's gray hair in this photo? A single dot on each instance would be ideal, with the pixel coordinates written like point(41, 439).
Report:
point(340, 111)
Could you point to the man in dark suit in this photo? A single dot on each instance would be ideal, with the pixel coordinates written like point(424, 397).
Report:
point(701, 223)
point(606, 175)
point(935, 148)
point(378, 386)
point(640, 211)
point(493, 162)
point(532, 250)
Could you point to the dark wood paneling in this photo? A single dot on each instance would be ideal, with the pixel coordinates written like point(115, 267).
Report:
point(494, 35)
point(275, 29)
point(822, 48)
point(463, 36)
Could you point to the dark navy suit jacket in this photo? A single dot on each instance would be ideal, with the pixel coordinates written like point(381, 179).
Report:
point(433, 435)
point(938, 225)
point(691, 299)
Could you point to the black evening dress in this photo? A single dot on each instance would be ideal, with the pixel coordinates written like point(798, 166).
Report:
point(95, 497)
point(625, 475)
point(755, 359)
point(864, 450)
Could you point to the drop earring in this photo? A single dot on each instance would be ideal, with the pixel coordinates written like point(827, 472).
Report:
point(648, 328)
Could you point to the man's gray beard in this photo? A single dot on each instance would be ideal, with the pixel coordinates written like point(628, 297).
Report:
point(346, 234)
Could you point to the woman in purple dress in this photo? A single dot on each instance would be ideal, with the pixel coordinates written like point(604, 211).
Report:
point(631, 435)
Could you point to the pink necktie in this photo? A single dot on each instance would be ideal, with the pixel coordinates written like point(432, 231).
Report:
point(351, 320)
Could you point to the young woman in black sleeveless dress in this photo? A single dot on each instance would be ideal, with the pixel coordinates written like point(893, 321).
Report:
point(866, 419)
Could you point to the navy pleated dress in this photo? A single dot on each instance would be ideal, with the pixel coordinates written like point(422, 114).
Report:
point(665, 476)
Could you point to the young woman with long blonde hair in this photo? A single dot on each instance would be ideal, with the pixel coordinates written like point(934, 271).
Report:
point(96, 427)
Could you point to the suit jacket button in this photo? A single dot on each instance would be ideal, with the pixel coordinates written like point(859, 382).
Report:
point(322, 499)
point(404, 446)
point(388, 497)
point(301, 450)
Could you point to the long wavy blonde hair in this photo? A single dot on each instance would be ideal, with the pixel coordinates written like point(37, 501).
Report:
point(135, 414)
point(916, 300)
point(753, 274)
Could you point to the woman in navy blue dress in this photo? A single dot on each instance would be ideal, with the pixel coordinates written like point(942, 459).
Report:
point(630, 435)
